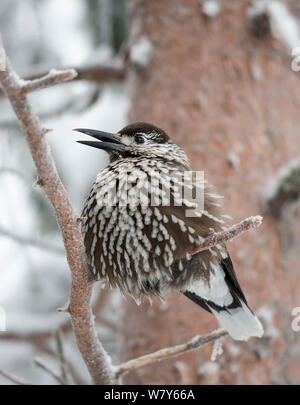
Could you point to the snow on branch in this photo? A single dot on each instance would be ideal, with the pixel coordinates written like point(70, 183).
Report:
point(194, 343)
point(80, 310)
point(51, 79)
point(275, 16)
point(284, 188)
point(43, 366)
point(97, 73)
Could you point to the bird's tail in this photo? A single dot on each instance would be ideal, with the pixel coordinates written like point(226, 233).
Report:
point(225, 299)
point(240, 322)
point(238, 319)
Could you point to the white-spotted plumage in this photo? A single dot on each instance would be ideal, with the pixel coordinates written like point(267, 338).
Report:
point(139, 235)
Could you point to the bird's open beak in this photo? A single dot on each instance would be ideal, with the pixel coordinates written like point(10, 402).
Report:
point(108, 142)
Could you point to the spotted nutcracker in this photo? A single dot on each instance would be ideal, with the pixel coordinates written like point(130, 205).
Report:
point(139, 238)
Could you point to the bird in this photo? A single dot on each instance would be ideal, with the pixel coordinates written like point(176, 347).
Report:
point(145, 215)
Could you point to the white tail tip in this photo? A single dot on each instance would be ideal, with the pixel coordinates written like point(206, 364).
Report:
point(240, 323)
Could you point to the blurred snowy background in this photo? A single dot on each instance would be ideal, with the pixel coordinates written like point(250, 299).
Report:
point(229, 89)
point(34, 278)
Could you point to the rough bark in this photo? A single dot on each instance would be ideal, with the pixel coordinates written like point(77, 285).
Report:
point(201, 85)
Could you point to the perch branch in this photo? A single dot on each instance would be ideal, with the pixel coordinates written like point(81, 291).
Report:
point(99, 73)
point(215, 238)
point(195, 343)
point(81, 286)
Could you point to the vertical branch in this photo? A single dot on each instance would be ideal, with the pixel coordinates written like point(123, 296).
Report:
point(81, 286)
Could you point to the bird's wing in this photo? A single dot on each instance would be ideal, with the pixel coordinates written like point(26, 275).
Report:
point(178, 227)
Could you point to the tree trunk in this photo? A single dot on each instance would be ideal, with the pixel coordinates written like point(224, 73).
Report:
point(230, 100)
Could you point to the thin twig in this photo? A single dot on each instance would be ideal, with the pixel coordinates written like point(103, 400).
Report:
point(13, 379)
point(195, 343)
point(82, 319)
point(215, 238)
point(40, 363)
point(64, 369)
point(113, 71)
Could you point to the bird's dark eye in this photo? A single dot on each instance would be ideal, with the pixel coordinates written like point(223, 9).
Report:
point(139, 139)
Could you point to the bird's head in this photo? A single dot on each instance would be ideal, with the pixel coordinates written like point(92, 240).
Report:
point(137, 139)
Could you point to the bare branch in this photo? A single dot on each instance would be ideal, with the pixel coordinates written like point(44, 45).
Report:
point(82, 319)
point(215, 238)
point(32, 242)
point(51, 79)
point(40, 363)
point(284, 188)
point(113, 71)
point(98, 73)
point(13, 379)
point(195, 343)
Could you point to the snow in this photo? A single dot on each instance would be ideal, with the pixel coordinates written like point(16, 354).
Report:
point(29, 276)
point(140, 52)
point(233, 159)
point(284, 24)
point(274, 185)
point(109, 113)
point(217, 350)
point(211, 8)
point(266, 314)
point(74, 48)
point(109, 361)
point(209, 367)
